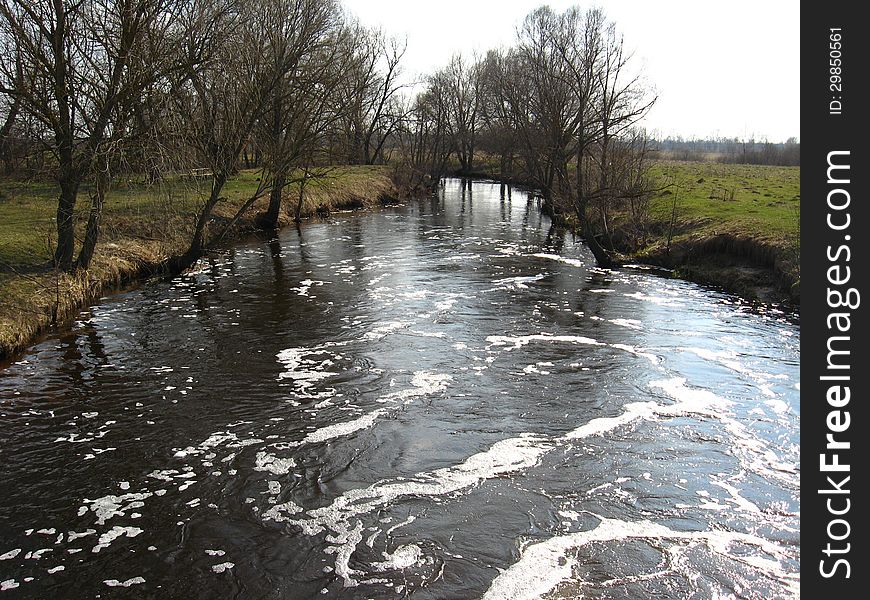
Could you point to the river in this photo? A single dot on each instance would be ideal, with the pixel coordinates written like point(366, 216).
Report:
point(445, 399)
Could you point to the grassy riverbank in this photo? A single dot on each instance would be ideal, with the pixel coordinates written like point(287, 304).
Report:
point(142, 226)
point(734, 226)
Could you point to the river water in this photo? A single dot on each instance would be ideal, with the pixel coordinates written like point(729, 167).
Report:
point(439, 400)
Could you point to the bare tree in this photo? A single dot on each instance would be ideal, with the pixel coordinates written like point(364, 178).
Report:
point(15, 79)
point(462, 82)
point(565, 91)
point(370, 94)
point(425, 140)
point(302, 106)
point(219, 92)
point(501, 112)
point(76, 57)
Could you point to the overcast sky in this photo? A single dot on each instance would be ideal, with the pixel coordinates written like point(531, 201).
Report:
point(718, 68)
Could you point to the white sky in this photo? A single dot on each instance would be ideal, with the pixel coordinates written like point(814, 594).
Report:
point(718, 68)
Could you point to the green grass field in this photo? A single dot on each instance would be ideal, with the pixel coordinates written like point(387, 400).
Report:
point(761, 202)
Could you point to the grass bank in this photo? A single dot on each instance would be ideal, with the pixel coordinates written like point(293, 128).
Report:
point(730, 225)
point(143, 225)
point(733, 226)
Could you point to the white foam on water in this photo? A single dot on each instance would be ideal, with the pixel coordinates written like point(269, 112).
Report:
point(777, 406)
point(598, 488)
point(89, 437)
point(632, 350)
point(736, 499)
point(8, 584)
point(628, 323)
point(689, 400)
point(110, 536)
point(534, 368)
point(729, 359)
point(112, 506)
point(404, 557)
point(127, 583)
point(345, 542)
point(37, 554)
point(751, 450)
point(345, 428)
point(522, 340)
point(223, 567)
point(568, 261)
point(520, 282)
point(11, 554)
point(73, 535)
point(272, 464)
point(423, 383)
point(382, 331)
point(408, 521)
point(602, 425)
point(281, 512)
point(502, 458)
point(301, 366)
point(544, 565)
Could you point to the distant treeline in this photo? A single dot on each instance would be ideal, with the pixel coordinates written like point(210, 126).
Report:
point(730, 150)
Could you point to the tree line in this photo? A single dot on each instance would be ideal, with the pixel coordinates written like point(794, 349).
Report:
point(560, 109)
point(731, 150)
point(93, 89)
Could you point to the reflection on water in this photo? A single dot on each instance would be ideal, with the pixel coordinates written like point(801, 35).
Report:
point(445, 399)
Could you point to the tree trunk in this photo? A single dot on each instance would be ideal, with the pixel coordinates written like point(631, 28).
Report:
point(5, 145)
point(298, 215)
point(92, 231)
point(602, 256)
point(63, 254)
point(269, 220)
point(196, 243)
